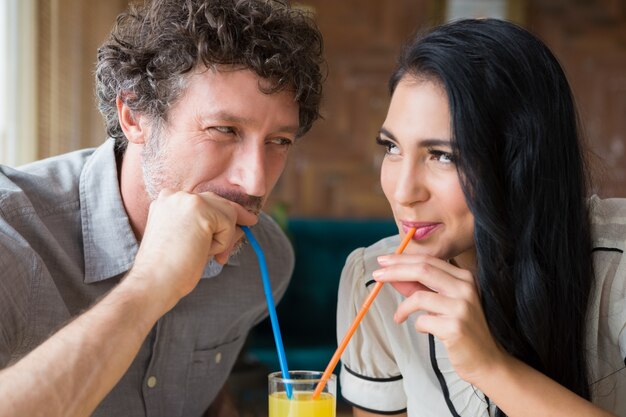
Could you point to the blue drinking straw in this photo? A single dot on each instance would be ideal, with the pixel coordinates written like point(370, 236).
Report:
point(282, 358)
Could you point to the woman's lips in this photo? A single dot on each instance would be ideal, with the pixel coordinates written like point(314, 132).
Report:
point(422, 231)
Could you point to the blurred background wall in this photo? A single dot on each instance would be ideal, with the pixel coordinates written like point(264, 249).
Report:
point(333, 172)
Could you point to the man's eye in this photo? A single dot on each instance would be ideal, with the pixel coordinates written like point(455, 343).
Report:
point(224, 129)
point(281, 141)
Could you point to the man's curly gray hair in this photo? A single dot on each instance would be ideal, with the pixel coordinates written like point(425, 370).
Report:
point(153, 47)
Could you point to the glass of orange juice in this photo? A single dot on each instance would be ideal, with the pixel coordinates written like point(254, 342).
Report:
point(301, 403)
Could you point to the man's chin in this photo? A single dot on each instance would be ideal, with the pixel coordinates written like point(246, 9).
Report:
point(239, 245)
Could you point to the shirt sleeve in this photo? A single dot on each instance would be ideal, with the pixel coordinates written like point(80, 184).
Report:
point(17, 263)
point(617, 308)
point(369, 376)
point(608, 220)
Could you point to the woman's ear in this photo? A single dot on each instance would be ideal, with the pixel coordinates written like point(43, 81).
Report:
point(133, 127)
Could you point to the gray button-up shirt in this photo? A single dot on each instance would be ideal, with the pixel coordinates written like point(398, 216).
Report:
point(65, 240)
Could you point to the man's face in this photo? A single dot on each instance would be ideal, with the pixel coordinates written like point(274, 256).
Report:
point(225, 136)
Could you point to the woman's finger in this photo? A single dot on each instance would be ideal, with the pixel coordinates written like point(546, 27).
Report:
point(408, 288)
point(433, 324)
point(393, 259)
point(427, 274)
point(427, 301)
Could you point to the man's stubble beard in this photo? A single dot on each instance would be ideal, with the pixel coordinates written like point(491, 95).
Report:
point(154, 166)
point(156, 178)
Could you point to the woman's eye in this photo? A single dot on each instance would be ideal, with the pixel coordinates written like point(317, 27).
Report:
point(441, 156)
point(281, 142)
point(390, 147)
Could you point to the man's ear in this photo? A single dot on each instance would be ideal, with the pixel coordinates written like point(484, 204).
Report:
point(132, 126)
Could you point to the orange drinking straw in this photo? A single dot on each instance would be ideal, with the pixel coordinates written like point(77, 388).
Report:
point(366, 305)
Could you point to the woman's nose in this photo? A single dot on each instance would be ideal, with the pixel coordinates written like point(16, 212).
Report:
point(411, 184)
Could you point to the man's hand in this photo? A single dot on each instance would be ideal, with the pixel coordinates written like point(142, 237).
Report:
point(183, 232)
point(57, 379)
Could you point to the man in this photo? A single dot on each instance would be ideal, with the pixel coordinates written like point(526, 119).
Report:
point(202, 100)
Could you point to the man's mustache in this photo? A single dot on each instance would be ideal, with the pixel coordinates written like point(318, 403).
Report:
point(251, 203)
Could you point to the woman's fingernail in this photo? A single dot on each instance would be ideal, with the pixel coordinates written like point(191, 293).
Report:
point(382, 260)
point(378, 273)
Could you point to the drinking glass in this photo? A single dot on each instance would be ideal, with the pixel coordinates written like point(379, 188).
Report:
point(301, 403)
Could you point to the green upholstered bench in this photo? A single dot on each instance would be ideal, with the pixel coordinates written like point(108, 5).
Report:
point(307, 311)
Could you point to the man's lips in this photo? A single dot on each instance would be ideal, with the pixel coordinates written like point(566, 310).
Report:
point(422, 229)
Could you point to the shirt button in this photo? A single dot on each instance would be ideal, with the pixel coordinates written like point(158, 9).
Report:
point(152, 381)
point(218, 357)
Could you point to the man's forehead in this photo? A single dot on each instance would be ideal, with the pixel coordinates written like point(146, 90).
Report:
point(266, 85)
point(228, 89)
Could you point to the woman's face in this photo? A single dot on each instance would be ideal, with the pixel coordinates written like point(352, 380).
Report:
point(419, 176)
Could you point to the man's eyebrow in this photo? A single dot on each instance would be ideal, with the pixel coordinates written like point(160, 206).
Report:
point(231, 118)
point(423, 142)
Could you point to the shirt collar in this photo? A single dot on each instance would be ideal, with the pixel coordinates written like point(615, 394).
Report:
point(108, 241)
point(110, 246)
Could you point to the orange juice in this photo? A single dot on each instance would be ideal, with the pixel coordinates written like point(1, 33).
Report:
point(301, 405)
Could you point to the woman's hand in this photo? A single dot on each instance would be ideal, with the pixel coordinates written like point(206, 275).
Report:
point(449, 298)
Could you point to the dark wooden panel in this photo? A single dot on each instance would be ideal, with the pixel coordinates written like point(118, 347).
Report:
point(334, 172)
point(589, 38)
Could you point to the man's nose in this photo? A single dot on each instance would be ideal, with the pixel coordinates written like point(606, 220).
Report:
point(249, 170)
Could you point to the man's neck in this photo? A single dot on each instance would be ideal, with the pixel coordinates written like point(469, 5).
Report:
point(134, 197)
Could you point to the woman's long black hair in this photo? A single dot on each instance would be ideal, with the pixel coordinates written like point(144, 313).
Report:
point(520, 160)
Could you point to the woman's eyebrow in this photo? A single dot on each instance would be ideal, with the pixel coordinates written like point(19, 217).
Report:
point(423, 142)
point(386, 133)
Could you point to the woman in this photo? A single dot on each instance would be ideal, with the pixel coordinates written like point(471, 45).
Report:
point(510, 298)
